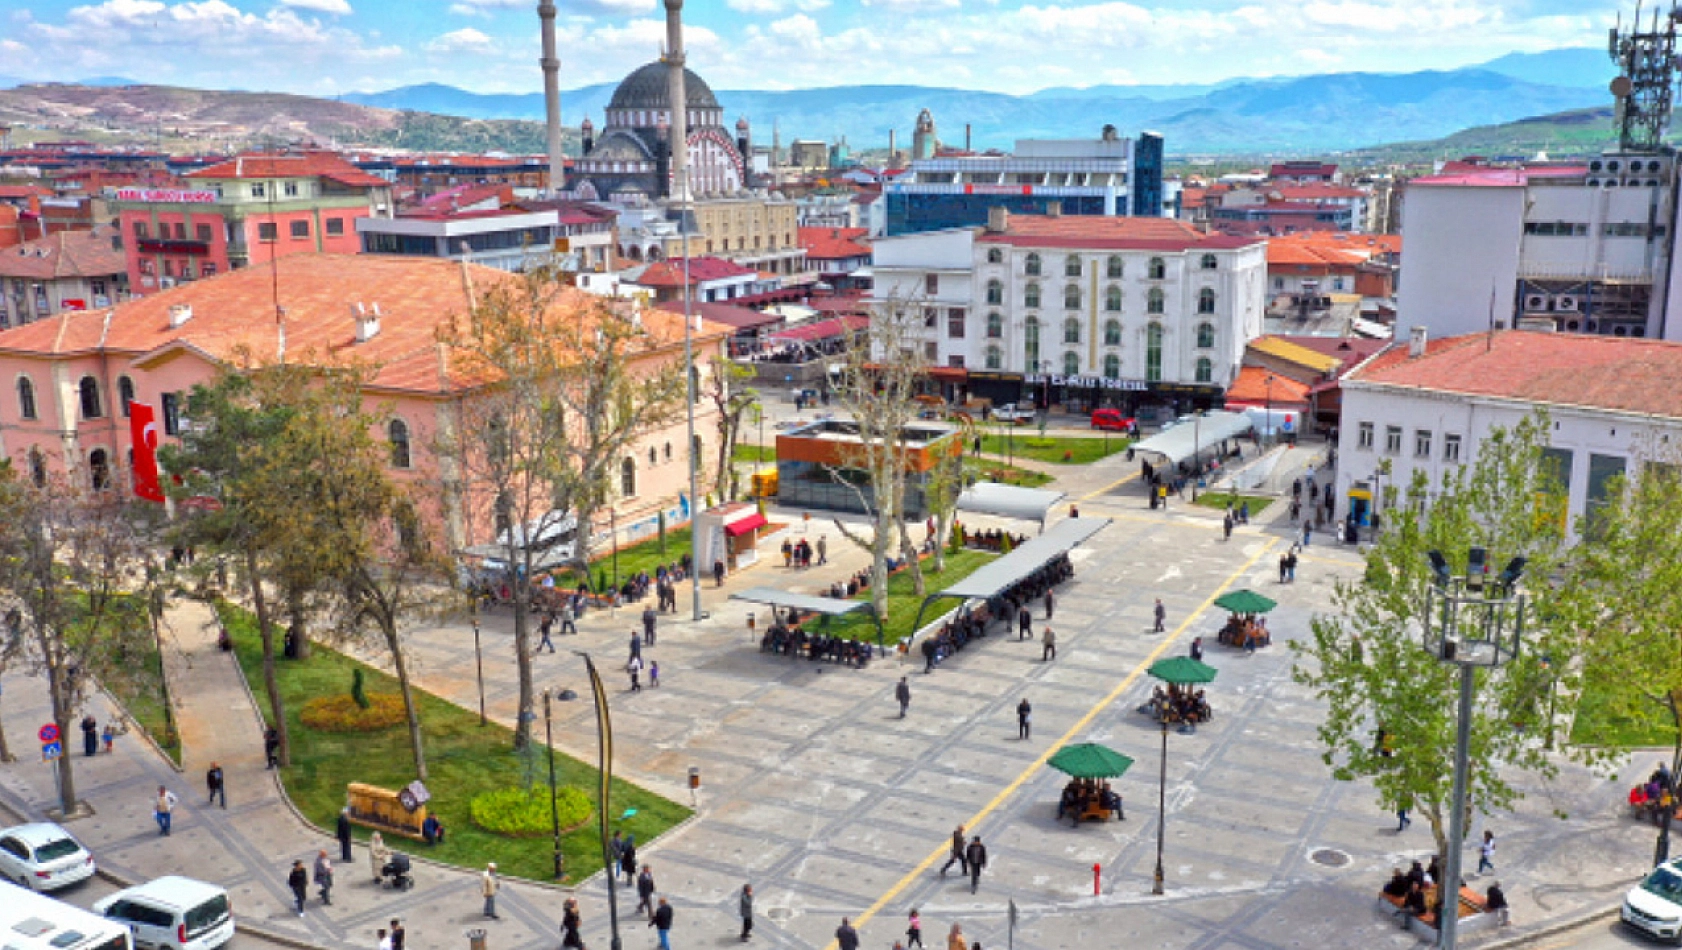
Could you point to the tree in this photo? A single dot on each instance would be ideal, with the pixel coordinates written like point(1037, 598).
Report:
point(733, 401)
point(567, 384)
point(1367, 661)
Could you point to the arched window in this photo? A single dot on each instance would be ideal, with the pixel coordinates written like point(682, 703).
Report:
point(1210, 262)
point(1112, 267)
point(1071, 330)
point(38, 468)
point(1205, 301)
point(1112, 300)
point(397, 431)
point(92, 407)
point(628, 477)
point(995, 326)
point(26, 398)
point(1153, 353)
point(995, 292)
point(1205, 335)
point(1154, 301)
point(1071, 363)
point(1157, 269)
point(1031, 265)
point(504, 515)
point(1112, 333)
point(699, 448)
point(99, 469)
point(995, 256)
point(1071, 266)
point(995, 358)
point(1071, 297)
point(653, 456)
point(1112, 367)
point(125, 394)
point(1205, 370)
point(668, 451)
point(1031, 295)
point(1031, 344)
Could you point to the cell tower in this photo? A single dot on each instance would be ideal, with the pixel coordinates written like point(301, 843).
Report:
point(1646, 78)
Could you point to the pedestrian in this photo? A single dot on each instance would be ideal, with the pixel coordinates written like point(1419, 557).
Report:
point(163, 809)
point(342, 832)
point(654, 672)
point(955, 939)
point(398, 934)
point(635, 669)
point(1486, 853)
point(1161, 617)
point(1226, 527)
point(271, 747)
point(1307, 533)
point(636, 645)
point(570, 922)
point(1049, 603)
point(1402, 819)
point(1282, 558)
point(718, 573)
point(378, 855)
point(1074, 511)
point(788, 553)
point(1024, 713)
point(489, 884)
point(616, 848)
point(90, 736)
point(1291, 566)
point(1197, 649)
point(1049, 641)
point(976, 854)
point(628, 861)
point(568, 623)
point(107, 735)
point(846, 937)
point(914, 930)
point(823, 550)
point(745, 906)
point(1496, 903)
point(1024, 623)
point(902, 692)
point(645, 892)
point(324, 877)
point(648, 618)
point(662, 924)
point(213, 781)
point(544, 625)
point(299, 882)
point(383, 940)
point(957, 854)
point(1244, 512)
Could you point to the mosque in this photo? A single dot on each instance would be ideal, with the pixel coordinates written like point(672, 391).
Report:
point(631, 163)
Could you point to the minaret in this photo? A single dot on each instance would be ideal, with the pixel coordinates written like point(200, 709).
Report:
point(552, 97)
point(678, 143)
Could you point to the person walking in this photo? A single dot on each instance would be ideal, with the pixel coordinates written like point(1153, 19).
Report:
point(299, 882)
point(398, 934)
point(90, 736)
point(745, 906)
point(213, 781)
point(718, 573)
point(645, 892)
point(955, 939)
point(1197, 649)
point(1161, 617)
point(636, 646)
point(662, 924)
point(635, 669)
point(902, 692)
point(976, 855)
point(382, 940)
point(1486, 853)
point(568, 623)
point(846, 938)
point(654, 673)
point(1049, 641)
point(628, 861)
point(1226, 527)
point(823, 550)
point(271, 747)
point(324, 877)
point(1402, 819)
point(648, 619)
point(570, 922)
point(163, 810)
point(1024, 715)
point(544, 626)
point(489, 884)
point(378, 856)
point(1050, 602)
point(957, 854)
point(342, 832)
point(914, 930)
point(1024, 623)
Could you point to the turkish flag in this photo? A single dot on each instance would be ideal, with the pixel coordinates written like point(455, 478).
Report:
point(143, 430)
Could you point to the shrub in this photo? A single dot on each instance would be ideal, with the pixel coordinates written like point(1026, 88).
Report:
point(342, 714)
point(524, 813)
point(357, 691)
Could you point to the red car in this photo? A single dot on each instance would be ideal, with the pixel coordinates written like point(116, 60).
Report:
point(1113, 419)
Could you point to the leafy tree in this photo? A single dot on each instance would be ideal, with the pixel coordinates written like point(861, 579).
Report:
point(733, 400)
point(1367, 661)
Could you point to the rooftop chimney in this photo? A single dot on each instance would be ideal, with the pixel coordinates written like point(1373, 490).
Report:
point(179, 313)
point(552, 97)
point(998, 220)
point(1416, 343)
point(367, 322)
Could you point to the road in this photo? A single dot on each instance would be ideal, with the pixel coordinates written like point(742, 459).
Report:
point(1604, 934)
point(87, 893)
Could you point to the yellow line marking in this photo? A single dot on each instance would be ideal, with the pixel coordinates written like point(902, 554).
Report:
point(1108, 488)
point(1084, 721)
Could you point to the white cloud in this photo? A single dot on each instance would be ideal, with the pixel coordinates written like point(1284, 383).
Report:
point(466, 40)
point(776, 6)
point(601, 7)
point(334, 7)
point(799, 28)
point(913, 5)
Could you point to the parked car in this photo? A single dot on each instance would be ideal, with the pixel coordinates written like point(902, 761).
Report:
point(1114, 420)
point(1020, 413)
point(43, 857)
point(173, 913)
point(1655, 905)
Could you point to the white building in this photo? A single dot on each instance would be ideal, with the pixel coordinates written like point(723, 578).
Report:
point(506, 240)
point(1426, 408)
point(1581, 249)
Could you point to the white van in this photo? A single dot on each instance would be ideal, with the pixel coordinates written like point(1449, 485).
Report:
point(29, 921)
point(173, 913)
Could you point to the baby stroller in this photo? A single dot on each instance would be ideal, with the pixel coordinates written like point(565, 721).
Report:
point(396, 872)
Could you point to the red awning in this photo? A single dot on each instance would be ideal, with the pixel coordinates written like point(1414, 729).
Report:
point(822, 329)
point(736, 529)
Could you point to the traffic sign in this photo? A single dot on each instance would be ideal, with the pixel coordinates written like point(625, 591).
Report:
point(48, 733)
point(51, 751)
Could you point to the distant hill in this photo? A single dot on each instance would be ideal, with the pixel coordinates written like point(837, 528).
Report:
point(1570, 134)
point(1577, 66)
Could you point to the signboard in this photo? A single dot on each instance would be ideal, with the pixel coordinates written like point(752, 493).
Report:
point(48, 733)
point(998, 189)
point(51, 751)
point(168, 195)
point(1090, 382)
point(72, 303)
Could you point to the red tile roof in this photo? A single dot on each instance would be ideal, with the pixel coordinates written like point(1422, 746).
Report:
point(725, 314)
point(1251, 387)
point(64, 254)
point(24, 191)
point(1478, 176)
point(291, 165)
point(834, 244)
point(1105, 233)
point(669, 273)
point(1566, 369)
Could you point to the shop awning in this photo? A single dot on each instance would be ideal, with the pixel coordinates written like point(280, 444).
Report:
point(1009, 501)
point(1173, 446)
point(737, 528)
point(821, 329)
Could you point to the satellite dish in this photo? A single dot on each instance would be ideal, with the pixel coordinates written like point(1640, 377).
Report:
point(1621, 86)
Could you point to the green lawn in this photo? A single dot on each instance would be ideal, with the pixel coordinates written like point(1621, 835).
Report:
point(1026, 442)
point(746, 454)
point(1219, 501)
point(464, 758)
point(146, 697)
point(641, 556)
point(990, 470)
point(903, 602)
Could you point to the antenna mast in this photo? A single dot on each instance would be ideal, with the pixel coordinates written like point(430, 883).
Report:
point(1646, 79)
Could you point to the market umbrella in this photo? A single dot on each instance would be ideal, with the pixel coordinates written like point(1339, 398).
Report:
point(1182, 671)
point(1090, 760)
point(1245, 602)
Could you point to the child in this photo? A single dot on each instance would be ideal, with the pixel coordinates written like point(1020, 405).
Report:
point(107, 736)
point(654, 672)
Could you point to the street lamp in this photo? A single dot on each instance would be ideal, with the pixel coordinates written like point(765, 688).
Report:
point(479, 662)
point(1268, 417)
point(1471, 620)
point(604, 773)
point(1196, 451)
point(694, 396)
point(554, 809)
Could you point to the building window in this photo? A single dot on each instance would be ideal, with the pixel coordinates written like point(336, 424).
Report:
point(259, 190)
point(1205, 370)
point(995, 358)
point(1205, 335)
point(995, 326)
point(26, 398)
point(202, 232)
point(1071, 364)
point(99, 469)
point(125, 394)
point(268, 232)
point(931, 284)
point(1071, 330)
point(180, 230)
point(1422, 443)
point(88, 389)
point(653, 456)
point(140, 231)
point(995, 293)
point(170, 403)
point(668, 450)
point(1112, 367)
point(1031, 344)
point(628, 477)
point(1210, 262)
point(931, 316)
point(37, 468)
point(208, 268)
point(336, 227)
point(1451, 447)
point(1112, 300)
point(1071, 266)
point(1363, 436)
point(1157, 269)
point(1071, 297)
point(956, 362)
point(1112, 333)
point(300, 229)
point(291, 189)
point(995, 256)
point(931, 351)
point(1155, 301)
point(1205, 301)
point(1031, 265)
point(398, 431)
point(1031, 295)
point(1278, 283)
point(955, 324)
point(1153, 353)
point(1392, 440)
point(1112, 267)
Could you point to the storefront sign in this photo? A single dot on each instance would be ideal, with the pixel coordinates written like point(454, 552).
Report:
point(168, 195)
point(1091, 382)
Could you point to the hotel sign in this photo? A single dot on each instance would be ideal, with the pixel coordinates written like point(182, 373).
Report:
point(1090, 382)
point(167, 195)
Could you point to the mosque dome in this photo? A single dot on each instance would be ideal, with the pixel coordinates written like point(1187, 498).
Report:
point(649, 88)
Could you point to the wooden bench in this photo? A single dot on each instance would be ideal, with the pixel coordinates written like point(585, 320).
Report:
point(1095, 811)
point(1473, 914)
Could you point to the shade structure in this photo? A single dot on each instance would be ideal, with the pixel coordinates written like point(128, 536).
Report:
point(1245, 602)
point(1090, 760)
point(1182, 671)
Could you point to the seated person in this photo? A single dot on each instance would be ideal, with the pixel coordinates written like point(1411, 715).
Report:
point(1496, 903)
point(1111, 800)
point(1433, 871)
point(1070, 802)
point(432, 830)
point(1414, 902)
point(1398, 884)
point(1416, 874)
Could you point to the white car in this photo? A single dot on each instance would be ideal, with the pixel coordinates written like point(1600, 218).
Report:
point(1655, 905)
point(173, 913)
point(43, 857)
point(1019, 413)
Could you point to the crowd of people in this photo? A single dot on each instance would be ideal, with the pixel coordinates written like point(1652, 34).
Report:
point(786, 636)
point(971, 623)
point(1245, 631)
point(1081, 794)
point(1179, 704)
point(991, 540)
point(1652, 798)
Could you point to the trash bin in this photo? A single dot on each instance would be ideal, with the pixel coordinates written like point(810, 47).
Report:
point(475, 940)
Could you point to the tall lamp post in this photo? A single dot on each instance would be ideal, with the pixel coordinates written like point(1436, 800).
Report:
point(694, 396)
point(479, 662)
point(554, 809)
point(1472, 621)
point(1196, 451)
point(1268, 384)
point(604, 772)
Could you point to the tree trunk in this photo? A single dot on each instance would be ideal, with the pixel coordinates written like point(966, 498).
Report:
point(914, 564)
point(271, 685)
point(522, 655)
point(5, 750)
point(401, 666)
point(297, 614)
point(63, 715)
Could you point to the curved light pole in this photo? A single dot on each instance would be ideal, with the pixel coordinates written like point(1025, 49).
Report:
point(604, 773)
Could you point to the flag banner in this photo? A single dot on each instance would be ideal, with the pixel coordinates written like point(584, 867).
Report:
point(143, 430)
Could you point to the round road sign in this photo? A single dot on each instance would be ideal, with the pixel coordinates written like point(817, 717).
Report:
point(48, 733)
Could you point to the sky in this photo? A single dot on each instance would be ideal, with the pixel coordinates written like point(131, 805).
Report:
point(323, 47)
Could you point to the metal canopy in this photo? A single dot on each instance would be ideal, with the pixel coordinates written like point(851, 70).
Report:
point(809, 603)
point(1009, 501)
point(1179, 443)
point(999, 576)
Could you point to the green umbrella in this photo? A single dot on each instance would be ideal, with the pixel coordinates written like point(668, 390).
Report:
point(1182, 671)
point(1245, 602)
point(1090, 760)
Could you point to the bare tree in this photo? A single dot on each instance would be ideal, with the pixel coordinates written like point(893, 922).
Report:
point(732, 399)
